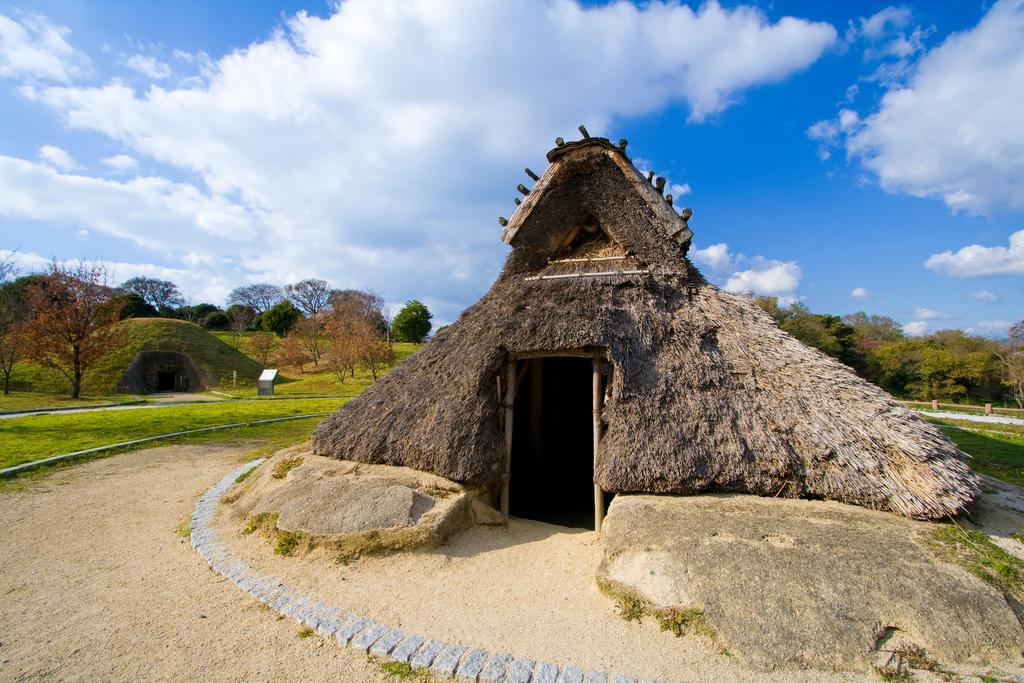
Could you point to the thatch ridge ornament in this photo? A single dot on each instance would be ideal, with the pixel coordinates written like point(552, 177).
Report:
point(705, 392)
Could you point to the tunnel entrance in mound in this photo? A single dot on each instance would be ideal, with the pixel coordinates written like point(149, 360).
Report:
point(552, 465)
point(155, 371)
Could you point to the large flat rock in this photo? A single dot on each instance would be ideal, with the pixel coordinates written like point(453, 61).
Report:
point(805, 584)
point(373, 507)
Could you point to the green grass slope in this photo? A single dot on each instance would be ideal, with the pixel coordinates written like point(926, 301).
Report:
point(146, 334)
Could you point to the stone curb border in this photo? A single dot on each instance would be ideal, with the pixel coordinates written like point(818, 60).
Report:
point(444, 660)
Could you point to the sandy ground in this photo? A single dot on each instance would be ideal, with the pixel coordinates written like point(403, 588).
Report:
point(527, 590)
point(95, 583)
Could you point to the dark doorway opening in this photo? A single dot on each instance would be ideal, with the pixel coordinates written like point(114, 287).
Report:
point(165, 381)
point(552, 468)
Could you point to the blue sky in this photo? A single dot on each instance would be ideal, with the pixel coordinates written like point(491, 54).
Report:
point(850, 156)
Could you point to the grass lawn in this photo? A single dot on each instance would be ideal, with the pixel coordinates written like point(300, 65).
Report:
point(260, 440)
point(33, 437)
point(25, 400)
point(314, 381)
point(995, 450)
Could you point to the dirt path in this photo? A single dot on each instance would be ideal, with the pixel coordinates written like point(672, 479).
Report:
point(95, 583)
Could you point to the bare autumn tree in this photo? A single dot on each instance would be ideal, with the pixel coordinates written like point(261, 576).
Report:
point(69, 320)
point(11, 312)
point(240, 317)
point(310, 333)
point(356, 303)
point(310, 296)
point(259, 297)
point(163, 295)
point(354, 342)
point(261, 345)
point(1012, 358)
point(291, 353)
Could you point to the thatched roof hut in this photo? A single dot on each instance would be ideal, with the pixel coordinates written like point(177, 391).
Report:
point(694, 389)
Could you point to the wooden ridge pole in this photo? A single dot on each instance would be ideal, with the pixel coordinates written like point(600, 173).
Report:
point(598, 400)
point(510, 401)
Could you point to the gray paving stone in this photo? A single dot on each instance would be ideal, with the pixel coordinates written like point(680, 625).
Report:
point(424, 657)
point(570, 674)
point(597, 677)
point(387, 642)
point(407, 648)
point(623, 679)
point(351, 629)
point(650, 680)
point(545, 673)
point(447, 661)
point(472, 664)
point(519, 670)
point(364, 640)
point(328, 628)
point(494, 669)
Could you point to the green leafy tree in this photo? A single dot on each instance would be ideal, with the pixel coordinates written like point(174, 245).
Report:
point(132, 305)
point(412, 324)
point(280, 318)
point(217, 320)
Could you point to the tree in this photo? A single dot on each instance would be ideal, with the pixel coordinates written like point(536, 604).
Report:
point(261, 345)
point(217, 320)
point(291, 353)
point(310, 296)
point(412, 324)
point(163, 295)
point(356, 303)
point(354, 342)
point(241, 317)
point(280, 318)
point(259, 297)
point(131, 305)
point(310, 332)
point(69, 325)
point(12, 313)
point(1012, 358)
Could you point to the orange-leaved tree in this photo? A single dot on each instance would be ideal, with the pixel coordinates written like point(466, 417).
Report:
point(70, 319)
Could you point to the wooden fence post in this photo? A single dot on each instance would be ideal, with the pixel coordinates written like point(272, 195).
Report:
point(510, 401)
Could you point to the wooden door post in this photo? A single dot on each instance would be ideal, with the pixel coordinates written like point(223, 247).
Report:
point(598, 401)
point(510, 401)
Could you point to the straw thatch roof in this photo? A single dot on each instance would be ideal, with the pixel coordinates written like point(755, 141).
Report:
point(707, 393)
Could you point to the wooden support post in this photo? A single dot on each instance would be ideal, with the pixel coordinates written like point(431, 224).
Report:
point(935, 404)
point(988, 408)
point(598, 401)
point(510, 401)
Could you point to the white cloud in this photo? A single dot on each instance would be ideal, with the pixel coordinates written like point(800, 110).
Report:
point(860, 293)
point(916, 328)
point(380, 139)
point(986, 296)
point(884, 21)
point(679, 190)
point(33, 48)
point(716, 257)
point(766, 276)
point(976, 260)
point(200, 287)
point(121, 162)
point(148, 66)
point(56, 156)
point(172, 213)
point(951, 126)
point(922, 313)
